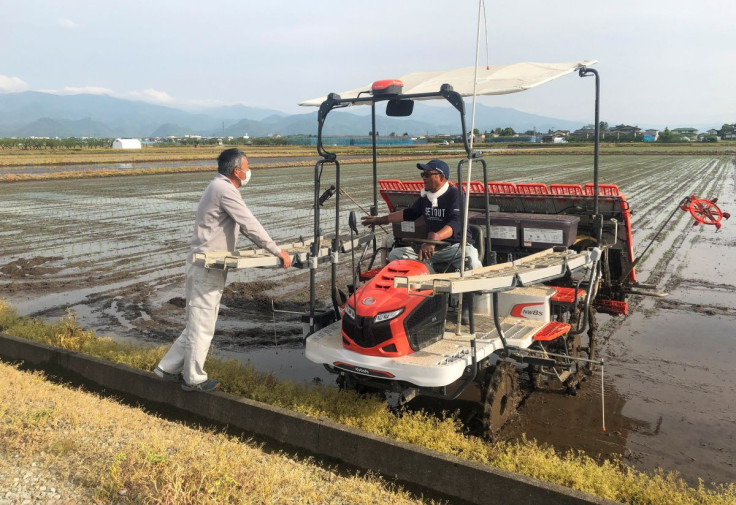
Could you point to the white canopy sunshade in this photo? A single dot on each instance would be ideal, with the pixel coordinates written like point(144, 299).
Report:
point(495, 80)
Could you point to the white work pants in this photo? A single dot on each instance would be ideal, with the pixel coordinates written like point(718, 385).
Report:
point(188, 352)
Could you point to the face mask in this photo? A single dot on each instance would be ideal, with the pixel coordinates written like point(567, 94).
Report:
point(244, 181)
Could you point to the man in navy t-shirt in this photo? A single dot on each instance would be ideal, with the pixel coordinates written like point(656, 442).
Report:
point(439, 203)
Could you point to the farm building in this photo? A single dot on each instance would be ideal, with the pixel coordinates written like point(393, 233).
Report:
point(126, 144)
point(686, 131)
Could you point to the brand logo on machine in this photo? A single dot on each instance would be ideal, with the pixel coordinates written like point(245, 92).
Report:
point(525, 310)
point(368, 301)
point(362, 370)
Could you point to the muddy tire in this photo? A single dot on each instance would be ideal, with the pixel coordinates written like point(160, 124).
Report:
point(574, 349)
point(501, 399)
point(536, 379)
point(347, 382)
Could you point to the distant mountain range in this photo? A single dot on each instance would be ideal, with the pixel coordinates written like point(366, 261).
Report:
point(33, 113)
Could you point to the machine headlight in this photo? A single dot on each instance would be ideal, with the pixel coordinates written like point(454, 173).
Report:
point(386, 316)
point(349, 311)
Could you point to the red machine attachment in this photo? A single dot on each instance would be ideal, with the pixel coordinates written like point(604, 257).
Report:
point(704, 211)
point(387, 87)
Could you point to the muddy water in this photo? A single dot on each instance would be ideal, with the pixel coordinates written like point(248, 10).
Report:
point(668, 394)
point(675, 356)
point(112, 250)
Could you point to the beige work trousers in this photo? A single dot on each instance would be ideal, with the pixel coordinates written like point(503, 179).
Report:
point(187, 354)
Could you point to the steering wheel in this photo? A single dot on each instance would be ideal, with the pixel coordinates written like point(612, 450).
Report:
point(437, 243)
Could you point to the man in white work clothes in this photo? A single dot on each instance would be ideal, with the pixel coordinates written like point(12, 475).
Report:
point(220, 215)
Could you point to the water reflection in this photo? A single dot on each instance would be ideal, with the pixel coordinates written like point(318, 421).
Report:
point(576, 422)
point(284, 362)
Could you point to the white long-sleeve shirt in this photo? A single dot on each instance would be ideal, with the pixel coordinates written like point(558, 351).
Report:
point(220, 215)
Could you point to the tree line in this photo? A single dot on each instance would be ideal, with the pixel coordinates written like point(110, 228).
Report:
point(726, 131)
point(67, 143)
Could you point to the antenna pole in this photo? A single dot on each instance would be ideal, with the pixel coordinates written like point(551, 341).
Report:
point(584, 72)
point(466, 202)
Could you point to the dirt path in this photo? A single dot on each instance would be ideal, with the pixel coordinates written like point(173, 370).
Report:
point(112, 250)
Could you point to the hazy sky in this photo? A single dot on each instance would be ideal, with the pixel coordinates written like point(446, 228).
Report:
point(662, 62)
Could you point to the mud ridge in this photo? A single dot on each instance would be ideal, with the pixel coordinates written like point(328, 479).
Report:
point(710, 310)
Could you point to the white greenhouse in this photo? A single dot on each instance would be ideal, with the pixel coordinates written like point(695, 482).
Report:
point(126, 144)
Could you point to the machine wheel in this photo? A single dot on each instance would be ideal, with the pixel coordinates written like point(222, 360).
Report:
point(544, 377)
point(536, 379)
point(501, 399)
point(347, 382)
point(576, 349)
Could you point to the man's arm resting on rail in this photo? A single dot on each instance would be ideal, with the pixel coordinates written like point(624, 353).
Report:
point(394, 217)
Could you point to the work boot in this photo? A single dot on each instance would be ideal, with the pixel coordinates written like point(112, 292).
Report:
point(168, 376)
point(206, 386)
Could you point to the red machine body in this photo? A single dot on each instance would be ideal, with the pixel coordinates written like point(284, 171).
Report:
point(381, 320)
point(387, 87)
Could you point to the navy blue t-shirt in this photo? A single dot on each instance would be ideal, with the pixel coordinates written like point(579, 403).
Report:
point(447, 213)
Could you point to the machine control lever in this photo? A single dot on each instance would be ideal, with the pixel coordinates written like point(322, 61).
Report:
point(327, 195)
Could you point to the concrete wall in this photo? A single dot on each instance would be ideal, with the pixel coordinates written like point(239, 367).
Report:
point(448, 475)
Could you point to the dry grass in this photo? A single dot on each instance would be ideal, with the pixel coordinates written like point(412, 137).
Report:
point(81, 174)
point(611, 479)
point(121, 454)
point(20, 157)
point(61, 157)
point(359, 154)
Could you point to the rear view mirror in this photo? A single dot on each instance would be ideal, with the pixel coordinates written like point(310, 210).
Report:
point(399, 108)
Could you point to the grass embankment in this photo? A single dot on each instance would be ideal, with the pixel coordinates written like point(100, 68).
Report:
point(151, 154)
point(59, 159)
point(171, 465)
point(82, 174)
point(105, 452)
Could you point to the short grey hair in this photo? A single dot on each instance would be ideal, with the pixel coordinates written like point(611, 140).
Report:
point(229, 160)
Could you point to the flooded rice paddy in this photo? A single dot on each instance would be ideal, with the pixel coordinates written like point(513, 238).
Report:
point(112, 249)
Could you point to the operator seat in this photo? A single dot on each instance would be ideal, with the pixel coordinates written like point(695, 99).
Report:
point(478, 235)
